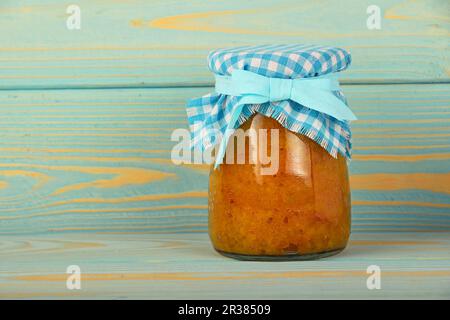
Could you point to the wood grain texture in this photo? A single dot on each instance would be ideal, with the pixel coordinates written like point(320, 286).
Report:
point(86, 176)
point(184, 266)
point(153, 43)
point(99, 161)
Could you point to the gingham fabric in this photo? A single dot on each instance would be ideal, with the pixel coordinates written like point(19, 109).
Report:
point(210, 114)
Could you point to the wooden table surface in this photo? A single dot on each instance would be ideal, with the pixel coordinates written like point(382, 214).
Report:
point(86, 118)
point(184, 266)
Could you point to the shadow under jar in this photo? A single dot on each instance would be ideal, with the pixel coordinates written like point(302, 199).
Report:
point(301, 212)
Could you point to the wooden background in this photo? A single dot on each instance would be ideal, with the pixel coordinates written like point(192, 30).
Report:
point(85, 123)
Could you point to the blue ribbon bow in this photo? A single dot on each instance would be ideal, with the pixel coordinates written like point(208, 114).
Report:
point(315, 93)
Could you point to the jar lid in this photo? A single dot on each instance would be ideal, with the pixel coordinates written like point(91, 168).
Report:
point(280, 61)
point(280, 95)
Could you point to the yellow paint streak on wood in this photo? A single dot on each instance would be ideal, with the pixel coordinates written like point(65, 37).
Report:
point(122, 177)
point(83, 158)
point(3, 184)
point(213, 21)
point(209, 21)
point(149, 197)
point(93, 103)
point(62, 245)
point(80, 76)
point(115, 66)
point(137, 23)
point(93, 134)
point(69, 245)
point(173, 217)
point(389, 107)
point(41, 178)
point(430, 113)
point(80, 150)
point(181, 55)
point(94, 76)
point(392, 243)
point(403, 224)
point(202, 21)
point(94, 211)
point(147, 232)
point(434, 182)
point(432, 146)
point(38, 129)
point(393, 12)
point(170, 47)
point(423, 214)
point(406, 135)
point(401, 157)
point(78, 143)
point(98, 122)
point(400, 121)
point(400, 203)
point(196, 276)
point(184, 226)
point(202, 168)
point(29, 295)
point(9, 117)
point(146, 197)
point(387, 218)
point(400, 129)
point(141, 209)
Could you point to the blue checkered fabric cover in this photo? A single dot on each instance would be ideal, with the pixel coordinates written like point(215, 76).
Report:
point(210, 113)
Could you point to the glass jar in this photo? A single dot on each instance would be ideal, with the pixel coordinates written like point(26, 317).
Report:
point(301, 212)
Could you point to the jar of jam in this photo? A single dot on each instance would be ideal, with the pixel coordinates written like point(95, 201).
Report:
point(301, 210)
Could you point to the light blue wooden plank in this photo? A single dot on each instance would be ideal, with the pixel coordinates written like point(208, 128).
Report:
point(151, 43)
point(99, 161)
point(184, 266)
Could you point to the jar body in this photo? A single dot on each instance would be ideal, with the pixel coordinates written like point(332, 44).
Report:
point(300, 212)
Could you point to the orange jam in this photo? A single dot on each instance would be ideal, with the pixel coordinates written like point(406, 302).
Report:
point(300, 212)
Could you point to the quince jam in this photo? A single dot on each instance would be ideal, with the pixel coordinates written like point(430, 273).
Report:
point(300, 212)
